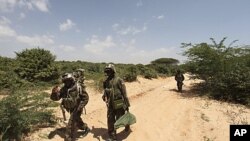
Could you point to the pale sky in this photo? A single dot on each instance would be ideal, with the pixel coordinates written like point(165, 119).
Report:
point(119, 31)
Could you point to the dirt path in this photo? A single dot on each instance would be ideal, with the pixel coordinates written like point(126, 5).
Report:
point(162, 114)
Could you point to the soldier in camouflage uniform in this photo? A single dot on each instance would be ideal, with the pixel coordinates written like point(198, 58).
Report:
point(74, 99)
point(116, 99)
point(179, 77)
point(80, 76)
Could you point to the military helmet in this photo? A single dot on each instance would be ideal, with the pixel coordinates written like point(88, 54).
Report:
point(68, 77)
point(110, 67)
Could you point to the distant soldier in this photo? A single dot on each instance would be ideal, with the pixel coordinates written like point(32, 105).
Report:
point(116, 99)
point(74, 99)
point(179, 77)
point(79, 75)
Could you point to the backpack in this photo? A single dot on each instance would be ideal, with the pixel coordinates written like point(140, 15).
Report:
point(72, 98)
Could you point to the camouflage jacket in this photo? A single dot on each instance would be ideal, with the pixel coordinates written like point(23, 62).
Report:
point(179, 77)
point(114, 89)
point(78, 95)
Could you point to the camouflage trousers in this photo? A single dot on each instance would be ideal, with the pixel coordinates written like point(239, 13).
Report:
point(179, 85)
point(112, 116)
point(75, 122)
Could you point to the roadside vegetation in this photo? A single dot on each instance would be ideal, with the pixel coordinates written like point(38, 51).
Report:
point(23, 80)
point(224, 69)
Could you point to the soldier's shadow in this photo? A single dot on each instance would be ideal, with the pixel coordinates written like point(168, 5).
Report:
point(175, 90)
point(99, 133)
point(61, 132)
point(123, 135)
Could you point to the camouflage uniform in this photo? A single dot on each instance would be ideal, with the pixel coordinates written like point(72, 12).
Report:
point(116, 99)
point(179, 77)
point(80, 77)
point(74, 99)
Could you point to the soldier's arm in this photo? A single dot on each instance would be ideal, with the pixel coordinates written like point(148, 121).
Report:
point(84, 98)
point(124, 92)
point(106, 92)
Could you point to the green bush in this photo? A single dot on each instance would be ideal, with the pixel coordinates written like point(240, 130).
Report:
point(130, 74)
point(21, 113)
point(164, 66)
point(36, 65)
point(149, 73)
point(7, 64)
point(233, 85)
point(129, 77)
point(224, 69)
point(10, 81)
point(146, 71)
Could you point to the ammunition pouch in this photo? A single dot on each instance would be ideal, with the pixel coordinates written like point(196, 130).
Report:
point(69, 103)
point(118, 104)
point(107, 90)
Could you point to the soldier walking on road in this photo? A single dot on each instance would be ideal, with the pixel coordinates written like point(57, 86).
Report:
point(116, 99)
point(74, 99)
point(79, 75)
point(179, 77)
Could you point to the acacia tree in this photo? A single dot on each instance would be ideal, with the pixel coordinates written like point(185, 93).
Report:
point(164, 65)
point(165, 61)
point(36, 64)
point(225, 69)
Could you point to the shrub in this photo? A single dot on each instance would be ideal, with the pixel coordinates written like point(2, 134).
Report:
point(36, 65)
point(149, 73)
point(130, 74)
point(20, 114)
point(164, 66)
point(9, 80)
point(224, 69)
point(129, 77)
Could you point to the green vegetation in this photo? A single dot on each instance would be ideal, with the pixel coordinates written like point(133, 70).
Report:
point(8, 78)
point(130, 74)
point(23, 79)
point(165, 66)
point(224, 69)
point(36, 65)
point(24, 107)
point(23, 112)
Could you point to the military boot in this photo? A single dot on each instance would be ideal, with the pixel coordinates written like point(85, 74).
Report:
point(86, 130)
point(127, 128)
point(112, 136)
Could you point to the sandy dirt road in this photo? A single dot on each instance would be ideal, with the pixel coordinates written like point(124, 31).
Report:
point(162, 115)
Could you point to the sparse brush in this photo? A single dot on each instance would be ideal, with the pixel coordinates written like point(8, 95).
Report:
point(21, 113)
point(237, 117)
